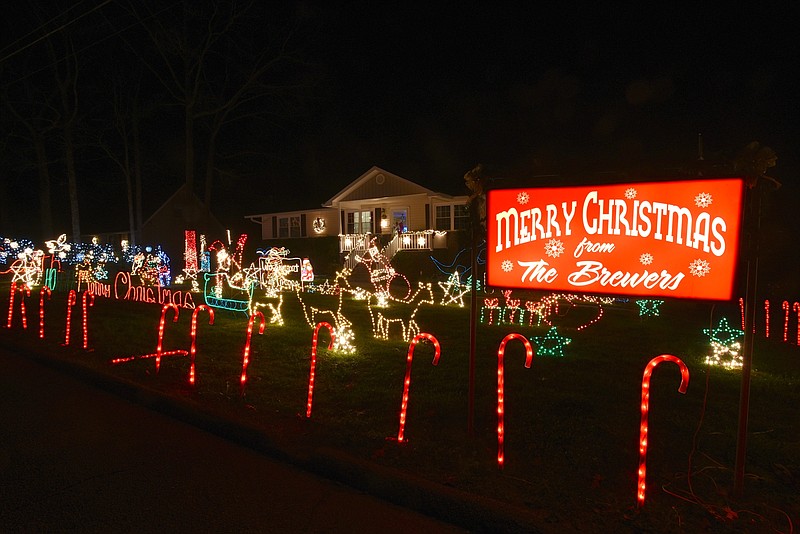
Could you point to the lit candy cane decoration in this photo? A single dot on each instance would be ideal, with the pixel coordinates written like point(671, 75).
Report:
point(741, 309)
point(193, 350)
point(646, 407)
point(23, 289)
point(796, 309)
point(42, 291)
point(766, 321)
point(160, 344)
point(407, 383)
point(72, 299)
point(85, 317)
point(785, 320)
point(246, 357)
point(11, 302)
point(500, 388)
point(311, 375)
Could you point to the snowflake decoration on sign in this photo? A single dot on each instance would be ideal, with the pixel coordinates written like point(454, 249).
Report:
point(630, 193)
point(523, 198)
point(703, 200)
point(699, 268)
point(646, 258)
point(554, 248)
point(507, 266)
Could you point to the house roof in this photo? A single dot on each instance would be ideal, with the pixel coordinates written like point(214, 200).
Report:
point(378, 183)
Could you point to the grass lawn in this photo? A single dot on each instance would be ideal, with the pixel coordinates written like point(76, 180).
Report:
point(571, 422)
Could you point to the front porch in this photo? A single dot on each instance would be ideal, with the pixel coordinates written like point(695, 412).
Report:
point(353, 245)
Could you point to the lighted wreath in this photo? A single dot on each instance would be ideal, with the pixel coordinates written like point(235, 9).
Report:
point(319, 225)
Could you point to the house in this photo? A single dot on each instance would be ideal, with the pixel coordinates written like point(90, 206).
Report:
point(182, 211)
point(401, 214)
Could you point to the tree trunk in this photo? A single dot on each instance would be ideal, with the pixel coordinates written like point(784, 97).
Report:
point(45, 204)
point(136, 229)
point(72, 181)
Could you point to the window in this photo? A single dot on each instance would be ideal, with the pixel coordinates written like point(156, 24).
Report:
point(442, 218)
point(289, 226)
point(359, 222)
point(451, 217)
point(460, 217)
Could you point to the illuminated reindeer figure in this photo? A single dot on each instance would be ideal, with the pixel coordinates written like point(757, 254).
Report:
point(342, 326)
point(401, 311)
point(511, 308)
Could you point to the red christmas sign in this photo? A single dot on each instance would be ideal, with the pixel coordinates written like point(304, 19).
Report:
point(656, 239)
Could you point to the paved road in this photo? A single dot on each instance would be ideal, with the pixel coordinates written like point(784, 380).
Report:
point(76, 458)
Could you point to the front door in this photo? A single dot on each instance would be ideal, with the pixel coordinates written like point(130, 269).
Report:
point(399, 220)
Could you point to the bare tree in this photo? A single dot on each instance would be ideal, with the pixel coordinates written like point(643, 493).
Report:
point(33, 110)
point(208, 65)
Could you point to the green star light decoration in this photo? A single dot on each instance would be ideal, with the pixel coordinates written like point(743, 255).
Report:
point(551, 344)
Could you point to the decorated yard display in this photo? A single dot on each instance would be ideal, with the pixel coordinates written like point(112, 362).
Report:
point(649, 307)
point(87, 299)
point(645, 408)
point(193, 349)
point(407, 383)
point(342, 326)
point(159, 353)
point(246, 356)
point(551, 344)
point(44, 290)
point(453, 290)
point(312, 372)
point(398, 313)
point(12, 291)
point(725, 345)
point(501, 389)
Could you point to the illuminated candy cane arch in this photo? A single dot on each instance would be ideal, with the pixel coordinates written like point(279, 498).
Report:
point(407, 383)
point(643, 428)
point(501, 389)
point(311, 374)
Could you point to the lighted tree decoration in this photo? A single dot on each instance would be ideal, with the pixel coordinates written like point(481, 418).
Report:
point(725, 345)
point(551, 344)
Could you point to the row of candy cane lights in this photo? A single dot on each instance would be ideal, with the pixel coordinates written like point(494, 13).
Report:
point(88, 300)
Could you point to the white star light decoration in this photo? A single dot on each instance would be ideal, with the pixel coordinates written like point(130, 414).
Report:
point(699, 268)
point(554, 248)
point(523, 198)
point(507, 266)
point(646, 259)
point(703, 200)
point(630, 193)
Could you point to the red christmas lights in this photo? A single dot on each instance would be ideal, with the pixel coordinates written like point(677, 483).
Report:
point(500, 389)
point(404, 405)
point(25, 290)
point(72, 299)
point(160, 343)
point(785, 307)
point(646, 407)
point(42, 291)
point(246, 356)
point(311, 375)
point(86, 304)
point(193, 350)
point(766, 320)
point(796, 308)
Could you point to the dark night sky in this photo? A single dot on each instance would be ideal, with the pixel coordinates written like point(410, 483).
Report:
point(568, 90)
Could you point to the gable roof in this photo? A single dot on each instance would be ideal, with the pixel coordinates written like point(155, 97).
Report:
point(377, 183)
